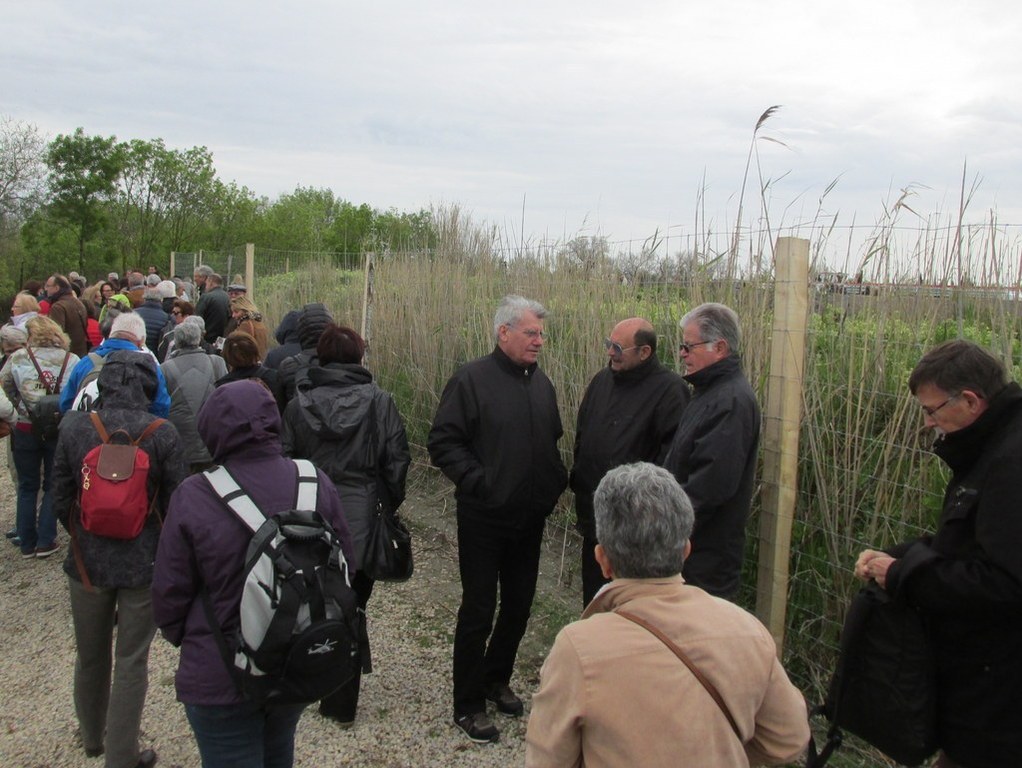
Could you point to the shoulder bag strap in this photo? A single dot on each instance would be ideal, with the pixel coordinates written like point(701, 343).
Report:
point(239, 502)
point(38, 370)
point(153, 426)
point(703, 680)
point(307, 487)
point(98, 424)
point(63, 367)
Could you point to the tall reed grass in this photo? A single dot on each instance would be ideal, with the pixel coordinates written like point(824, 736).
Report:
point(866, 477)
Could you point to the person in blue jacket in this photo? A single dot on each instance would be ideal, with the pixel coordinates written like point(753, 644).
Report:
point(128, 332)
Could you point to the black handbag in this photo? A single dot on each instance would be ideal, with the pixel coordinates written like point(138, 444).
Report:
point(388, 548)
point(388, 551)
point(884, 689)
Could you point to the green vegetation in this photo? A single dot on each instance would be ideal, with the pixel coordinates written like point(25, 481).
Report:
point(95, 204)
point(865, 476)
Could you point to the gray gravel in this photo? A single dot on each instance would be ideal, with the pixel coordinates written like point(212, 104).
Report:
point(405, 709)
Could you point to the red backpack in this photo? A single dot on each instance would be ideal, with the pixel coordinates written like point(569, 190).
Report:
point(114, 498)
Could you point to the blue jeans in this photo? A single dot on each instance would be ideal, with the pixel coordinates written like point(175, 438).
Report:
point(246, 735)
point(33, 458)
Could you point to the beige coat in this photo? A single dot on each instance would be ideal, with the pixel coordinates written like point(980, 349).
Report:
point(611, 695)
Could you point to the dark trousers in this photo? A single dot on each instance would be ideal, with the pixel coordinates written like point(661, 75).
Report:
point(343, 703)
point(488, 558)
point(592, 576)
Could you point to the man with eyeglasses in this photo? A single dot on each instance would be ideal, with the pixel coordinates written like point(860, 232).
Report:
point(495, 437)
point(713, 454)
point(629, 413)
point(967, 577)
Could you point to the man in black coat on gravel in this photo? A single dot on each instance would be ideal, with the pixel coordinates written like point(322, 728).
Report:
point(495, 437)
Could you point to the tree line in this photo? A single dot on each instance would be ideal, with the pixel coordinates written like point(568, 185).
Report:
point(94, 204)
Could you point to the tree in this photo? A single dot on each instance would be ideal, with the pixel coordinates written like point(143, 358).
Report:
point(83, 175)
point(22, 172)
point(163, 200)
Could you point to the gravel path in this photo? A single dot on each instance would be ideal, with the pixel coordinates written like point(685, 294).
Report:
point(405, 709)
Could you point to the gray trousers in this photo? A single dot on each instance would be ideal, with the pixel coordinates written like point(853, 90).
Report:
point(97, 702)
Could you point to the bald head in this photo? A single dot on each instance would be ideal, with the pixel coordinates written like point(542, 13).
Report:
point(631, 343)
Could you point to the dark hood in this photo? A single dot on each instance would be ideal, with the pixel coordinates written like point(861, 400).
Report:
point(240, 419)
point(315, 317)
point(127, 380)
point(287, 331)
point(334, 399)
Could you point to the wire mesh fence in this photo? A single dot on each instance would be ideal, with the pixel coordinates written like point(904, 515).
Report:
point(866, 477)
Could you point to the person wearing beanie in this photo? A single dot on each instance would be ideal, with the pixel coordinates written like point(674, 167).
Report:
point(314, 318)
point(287, 341)
point(155, 316)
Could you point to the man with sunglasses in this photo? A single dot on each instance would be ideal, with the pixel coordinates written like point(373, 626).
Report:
point(967, 577)
point(629, 413)
point(713, 454)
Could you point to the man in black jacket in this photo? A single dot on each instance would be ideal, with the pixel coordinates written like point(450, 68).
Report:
point(214, 307)
point(714, 451)
point(629, 413)
point(495, 437)
point(967, 577)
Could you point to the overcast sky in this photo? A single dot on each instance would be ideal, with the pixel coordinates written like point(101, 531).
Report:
point(597, 117)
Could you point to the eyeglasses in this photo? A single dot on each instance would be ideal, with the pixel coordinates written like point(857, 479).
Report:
point(688, 347)
point(617, 349)
point(532, 333)
point(931, 412)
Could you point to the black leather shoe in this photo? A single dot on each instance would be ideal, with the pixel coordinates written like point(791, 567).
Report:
point(505, 699)
point(146, 759)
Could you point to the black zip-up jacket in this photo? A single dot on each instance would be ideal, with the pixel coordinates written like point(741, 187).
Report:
point(495, 437)
point(714, 458)
point(967, 580)
point(624, 417)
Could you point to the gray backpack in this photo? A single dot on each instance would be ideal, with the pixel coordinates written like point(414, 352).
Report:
point(301, 630)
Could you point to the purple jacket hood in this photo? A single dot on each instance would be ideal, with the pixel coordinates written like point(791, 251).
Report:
point(240, 419)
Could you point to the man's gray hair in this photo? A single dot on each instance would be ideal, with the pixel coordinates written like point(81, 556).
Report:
point(152, 280)
point(203, 269)
point(187, 335)
point(112, 277)
point(715, 322)
point(152, 292)
point(511, 309)
point(135, 279)
point(643, 520)
point(130, 323)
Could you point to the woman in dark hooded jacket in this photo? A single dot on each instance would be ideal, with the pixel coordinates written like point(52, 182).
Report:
point(351, 429)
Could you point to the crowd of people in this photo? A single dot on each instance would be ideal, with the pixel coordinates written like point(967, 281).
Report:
point(663, 480)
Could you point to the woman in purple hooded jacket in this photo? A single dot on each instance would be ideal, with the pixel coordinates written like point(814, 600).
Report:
point(203, 543)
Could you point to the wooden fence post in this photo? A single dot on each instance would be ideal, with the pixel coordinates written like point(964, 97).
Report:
point(367, 303)
point(173, 265)
point(781, 422)
point(249, 270)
